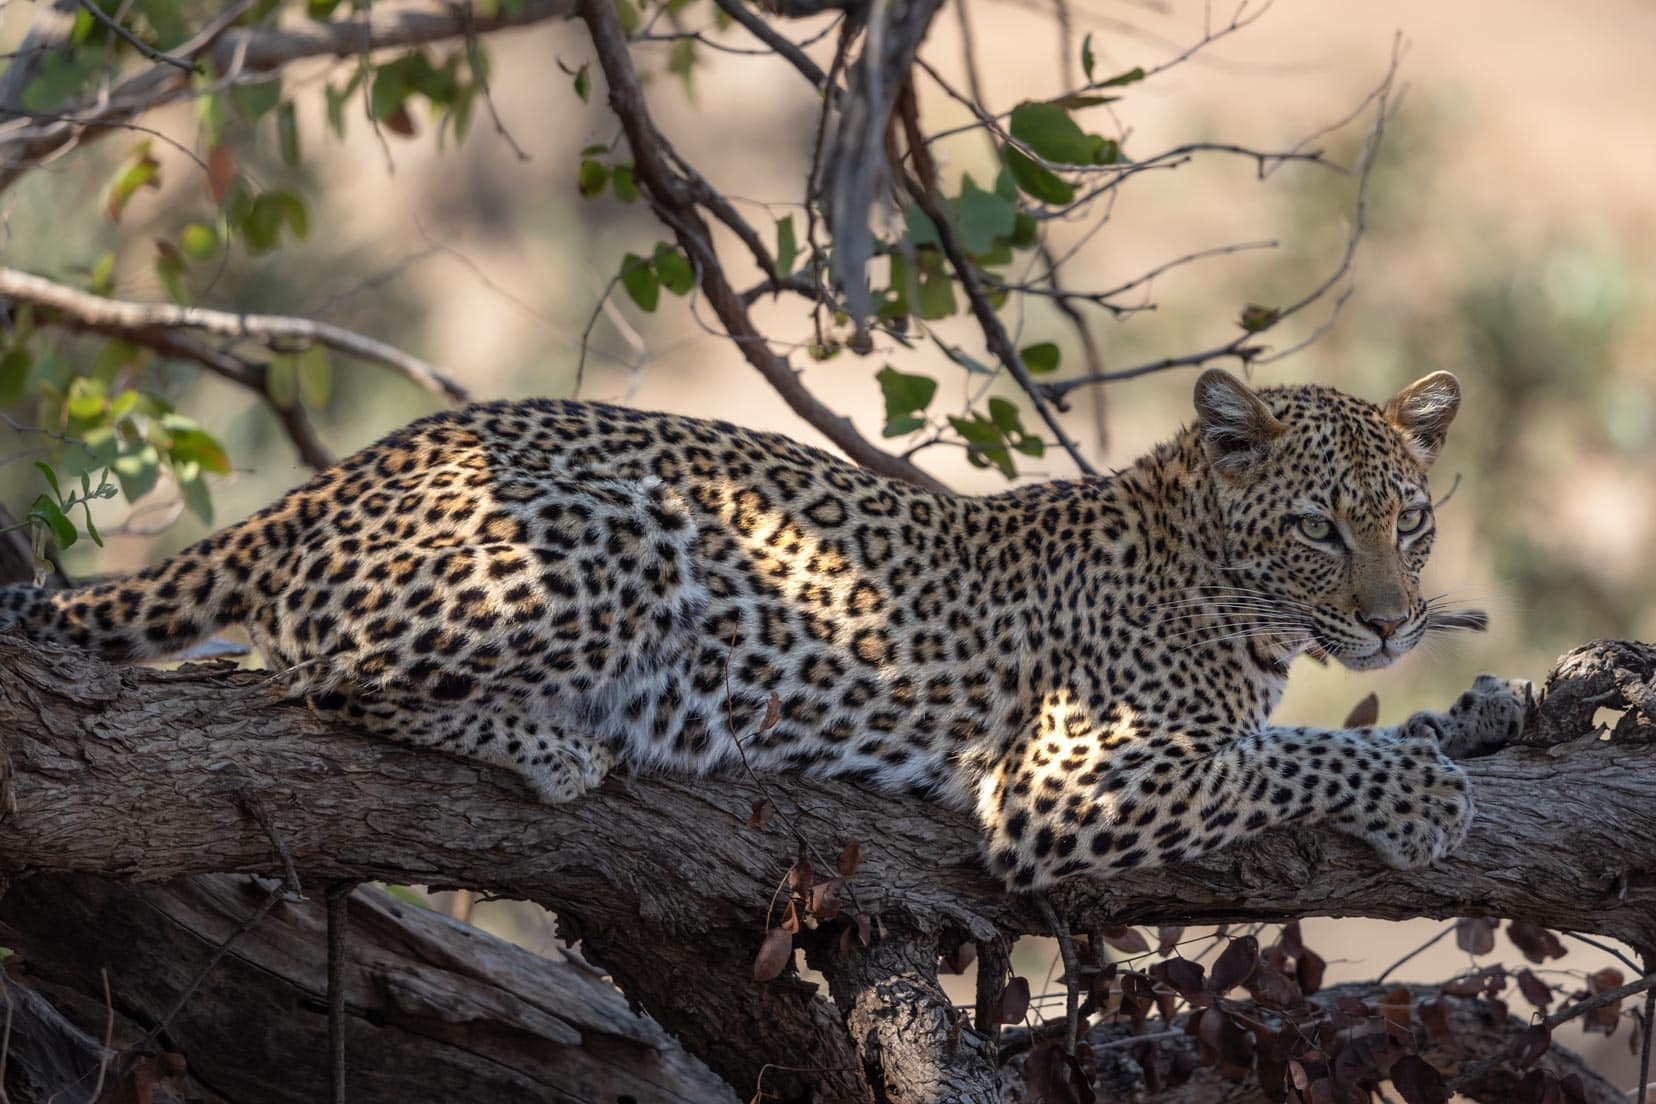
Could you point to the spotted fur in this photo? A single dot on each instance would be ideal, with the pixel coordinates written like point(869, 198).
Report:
point(1090, 665)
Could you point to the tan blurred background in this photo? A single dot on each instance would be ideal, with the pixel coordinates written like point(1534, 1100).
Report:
point(1512, 239)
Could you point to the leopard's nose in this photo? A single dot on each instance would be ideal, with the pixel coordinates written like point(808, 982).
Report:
point(1384, 626)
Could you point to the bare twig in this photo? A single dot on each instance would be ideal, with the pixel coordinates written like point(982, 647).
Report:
point(783, 47)
point(108, 1038)
point(120, 32)
point(339, 899)
point(480, 70)
point(1387, 972)
point(82, 310)
point(994, 332)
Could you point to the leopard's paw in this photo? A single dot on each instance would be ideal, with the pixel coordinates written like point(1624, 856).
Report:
point(1486, 718)
point(1426, 804)
point(565, 772)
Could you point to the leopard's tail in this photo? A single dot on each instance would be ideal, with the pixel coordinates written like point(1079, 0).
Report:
point(162, 609)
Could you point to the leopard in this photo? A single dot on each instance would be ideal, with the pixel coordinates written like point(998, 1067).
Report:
point(1088, 665)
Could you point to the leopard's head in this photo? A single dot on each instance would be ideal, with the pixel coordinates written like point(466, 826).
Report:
point(1325, 509)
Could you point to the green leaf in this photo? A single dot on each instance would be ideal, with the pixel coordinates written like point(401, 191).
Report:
point(143, 171)
point(261, 225)
point(197, 497)
point(254, 101)
point(209, 112)
point(623, 183)
point(1087, 58)
point(138, 471)
point(1004, 413)
point(1131, 76)
point(170, 269)
point(315, 377)
point(14, 374)
point(988, 445)
point(336, 108)
point(921, 229)
point(282, 381)
point(592, 178)
point(583, 84)
point(320, 9)
point(122, 405)
point(1256, 318)
point(905, 397)
point(1023, 231)
point(47, 511)
point(787, 249)
point(628, 13)
point(964, 359)
point(1048, 130)
point(1040, 359)
point(681, 61)
point(103, 274)
point(192, 444)
point(88, 399)
point(932, 284)
point(1035, 181)
point(389, 91)
point(199, 242)
point(639, 277)
point(673, 269)
point(984, 217)
point(1031, 446)
point(287, 133)
point(51, 478)
point(1075, 101)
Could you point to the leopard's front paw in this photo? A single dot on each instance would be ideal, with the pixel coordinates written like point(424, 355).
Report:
point(568, 771)
point(1486, 718)
point(1425, 805)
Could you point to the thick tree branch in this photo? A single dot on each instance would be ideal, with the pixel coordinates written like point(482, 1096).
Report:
point(660, 878)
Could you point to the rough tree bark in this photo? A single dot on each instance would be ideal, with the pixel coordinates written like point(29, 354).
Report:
point(669, 891)
point(436, 1010)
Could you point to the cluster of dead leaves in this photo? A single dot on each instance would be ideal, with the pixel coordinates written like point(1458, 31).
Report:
point(1337, 1052)
point(810, 901)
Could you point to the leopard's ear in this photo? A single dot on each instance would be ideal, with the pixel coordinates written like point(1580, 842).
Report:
point(1422, 412)
point(1237, 426)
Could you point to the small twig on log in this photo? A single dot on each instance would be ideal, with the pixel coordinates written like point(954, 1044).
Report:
point(339, 899)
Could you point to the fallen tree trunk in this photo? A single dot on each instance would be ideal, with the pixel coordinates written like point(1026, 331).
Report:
point(667, 889)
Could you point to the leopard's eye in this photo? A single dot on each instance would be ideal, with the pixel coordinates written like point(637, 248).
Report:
point(1410, 520)
point(1317, 528)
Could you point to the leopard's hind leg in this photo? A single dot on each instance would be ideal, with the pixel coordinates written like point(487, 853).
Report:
point(559, 765)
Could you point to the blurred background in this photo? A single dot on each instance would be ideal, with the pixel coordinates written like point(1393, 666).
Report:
point(1511, 238)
